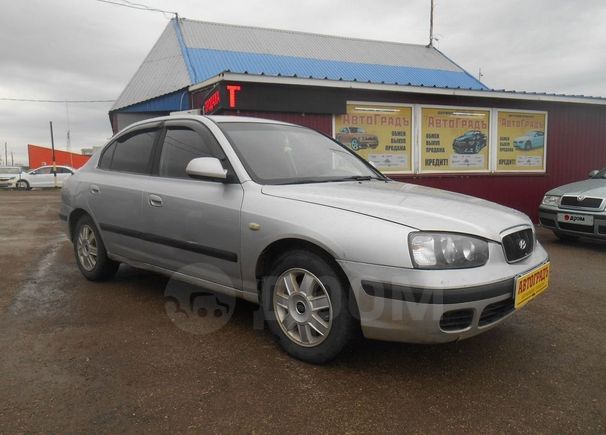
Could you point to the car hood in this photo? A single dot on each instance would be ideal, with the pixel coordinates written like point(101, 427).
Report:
point(592, 187)
point(419, 207)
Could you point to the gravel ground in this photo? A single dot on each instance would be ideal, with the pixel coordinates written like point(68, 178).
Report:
point(116, 357)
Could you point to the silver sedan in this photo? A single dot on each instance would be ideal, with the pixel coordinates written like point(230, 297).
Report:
point(286, 217)
point(577, 209)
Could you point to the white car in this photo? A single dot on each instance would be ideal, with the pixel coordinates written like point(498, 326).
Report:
point(9, 174)
point(43, 177)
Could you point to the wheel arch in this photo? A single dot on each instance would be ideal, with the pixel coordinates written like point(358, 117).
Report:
point(73, 219)
point(277, 247)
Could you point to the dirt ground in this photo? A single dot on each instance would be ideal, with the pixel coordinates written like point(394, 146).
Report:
point(116, 357)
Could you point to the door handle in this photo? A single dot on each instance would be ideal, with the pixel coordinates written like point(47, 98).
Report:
point(155, 200)
point(94, 189)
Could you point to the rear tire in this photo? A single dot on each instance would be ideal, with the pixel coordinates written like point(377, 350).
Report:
point(566, 237)
point(305, 304)
point(90, 252)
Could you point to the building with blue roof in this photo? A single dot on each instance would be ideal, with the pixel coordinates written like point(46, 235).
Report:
point(190, 52)
point(406, 108)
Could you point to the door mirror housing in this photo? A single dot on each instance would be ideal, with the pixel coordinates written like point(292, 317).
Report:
point(206, 167)
point(593, 173)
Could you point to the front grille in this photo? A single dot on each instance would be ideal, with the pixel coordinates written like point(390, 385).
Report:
point(574, 201)
point(456, 320)
point(518, 245)
point(547, 222)
point(496, 311)
point(576, 227)
point(602, 229)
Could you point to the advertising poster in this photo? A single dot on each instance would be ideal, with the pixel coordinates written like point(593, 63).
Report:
point(454, 139)
point(381, 134)
point(521, 141)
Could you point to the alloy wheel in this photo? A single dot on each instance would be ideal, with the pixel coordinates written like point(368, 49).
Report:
point(87, 247)
point(302, 307)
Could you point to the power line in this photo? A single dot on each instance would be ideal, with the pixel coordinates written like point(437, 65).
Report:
point(139, 6)
point(34, 100)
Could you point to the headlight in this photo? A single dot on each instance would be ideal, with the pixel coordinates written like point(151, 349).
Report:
point(446, 251)
point(551, 200)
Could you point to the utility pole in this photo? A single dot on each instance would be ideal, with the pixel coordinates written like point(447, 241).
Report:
point(53, 156)
point(431, 26)
point(12, 159)
point(5, 154)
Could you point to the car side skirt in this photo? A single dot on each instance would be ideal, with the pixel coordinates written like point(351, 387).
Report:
point(208, 285)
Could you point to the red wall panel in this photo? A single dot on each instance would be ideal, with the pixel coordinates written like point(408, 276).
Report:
point(321, 123)
point(41, 156)
point(576, 144)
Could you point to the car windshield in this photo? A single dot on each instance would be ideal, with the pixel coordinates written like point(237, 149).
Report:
point(601, 174)
point(285, 154)
point(10, 170)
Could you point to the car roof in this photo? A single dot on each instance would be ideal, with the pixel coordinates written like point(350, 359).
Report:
point(215, 118)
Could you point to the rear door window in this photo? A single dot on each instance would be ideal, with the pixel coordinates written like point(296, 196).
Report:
point(133, 152)
point(106, 158)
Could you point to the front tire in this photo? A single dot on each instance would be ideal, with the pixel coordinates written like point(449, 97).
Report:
point(305, 304)
point(90, 252)
point(22, 185)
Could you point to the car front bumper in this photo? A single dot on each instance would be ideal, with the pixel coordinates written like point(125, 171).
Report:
point(548, 216)
point(429, 306)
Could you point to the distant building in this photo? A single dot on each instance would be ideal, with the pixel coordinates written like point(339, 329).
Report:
point(40, 156)
point(407, 108)
point(90, 151)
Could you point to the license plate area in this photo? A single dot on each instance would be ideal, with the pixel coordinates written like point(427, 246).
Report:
point(531, 284)
point(574, 218)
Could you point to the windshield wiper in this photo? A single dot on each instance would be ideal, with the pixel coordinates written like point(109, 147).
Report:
point(332, 180)
point(358, 178)
point(310, 181)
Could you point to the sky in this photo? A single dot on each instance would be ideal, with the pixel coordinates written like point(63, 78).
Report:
point(89, 50)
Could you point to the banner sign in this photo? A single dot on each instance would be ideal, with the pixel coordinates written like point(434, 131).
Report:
point(381, 134)
point(521, 141)
point(454, 139)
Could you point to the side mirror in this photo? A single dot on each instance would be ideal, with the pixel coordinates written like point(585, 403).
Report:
point(593, 173)
point(206, 167)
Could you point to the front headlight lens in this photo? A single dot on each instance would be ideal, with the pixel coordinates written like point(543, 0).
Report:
point(447, 251)
point(551, 200)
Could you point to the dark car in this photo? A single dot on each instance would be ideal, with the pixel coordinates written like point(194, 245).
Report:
point(470, 142)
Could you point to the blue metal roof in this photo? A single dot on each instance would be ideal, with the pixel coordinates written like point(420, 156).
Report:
point(207, 63)
point(165, 103)
point(190, 52)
